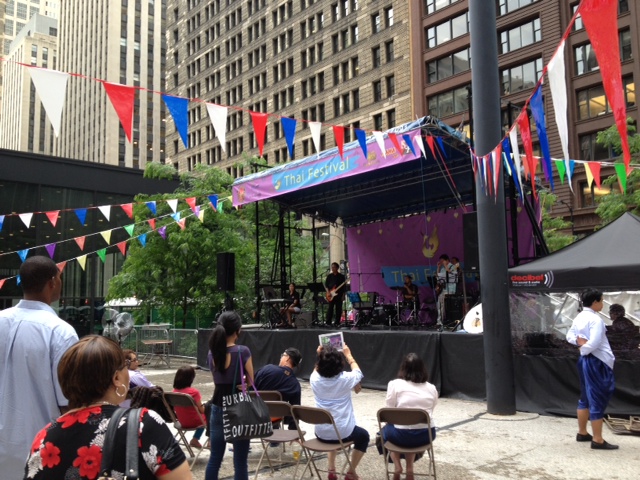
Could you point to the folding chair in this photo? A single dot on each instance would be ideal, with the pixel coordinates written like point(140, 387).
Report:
point(173, 400)
point(407, 416)
point(319, 416)
point(279, 409)
point(269, 396)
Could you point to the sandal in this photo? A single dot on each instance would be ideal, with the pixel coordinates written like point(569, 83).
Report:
point(332, 475)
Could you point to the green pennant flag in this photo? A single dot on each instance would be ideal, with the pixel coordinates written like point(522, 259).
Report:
point(621, 170)
point(220, 207)
point(102, 253)
point(129, 229)
point(562, 170)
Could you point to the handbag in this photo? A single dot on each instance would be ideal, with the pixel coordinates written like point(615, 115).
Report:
point(131, 445)
point(243, 416)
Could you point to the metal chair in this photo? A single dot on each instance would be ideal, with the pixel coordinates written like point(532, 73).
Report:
point(173, 400)
point(279, 409)
point(407, 416)
point(319, 416)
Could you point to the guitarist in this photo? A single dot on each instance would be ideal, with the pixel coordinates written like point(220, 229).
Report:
point(335, 287)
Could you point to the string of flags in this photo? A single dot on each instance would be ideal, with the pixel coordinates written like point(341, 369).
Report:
point(600, 20)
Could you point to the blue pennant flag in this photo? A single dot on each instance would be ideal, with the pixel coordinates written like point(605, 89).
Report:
point(176, 216)
point(1, 221)
point(572, 165)
point(214, 201)
point(441, 143)
point(362, 140)
point(179, 109)
point(81, 213)
point(537, 109)
point(23, 254)
point(143, 239)
point(152, 206)
point(18, 280)
point(506, 149)
point(289, 127)
point(407, 140)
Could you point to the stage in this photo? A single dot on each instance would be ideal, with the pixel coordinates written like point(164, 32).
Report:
point(545, 384)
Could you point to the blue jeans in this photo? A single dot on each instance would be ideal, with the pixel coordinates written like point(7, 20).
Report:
point(198, 433)
point(218, 445)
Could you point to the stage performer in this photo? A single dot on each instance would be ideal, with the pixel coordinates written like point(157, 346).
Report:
point(446, 285)
point(335, 287)
point(409, 290)
point(595, 369)
point(293, 306)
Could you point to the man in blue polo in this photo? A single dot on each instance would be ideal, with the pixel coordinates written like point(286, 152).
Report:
point(282, 378)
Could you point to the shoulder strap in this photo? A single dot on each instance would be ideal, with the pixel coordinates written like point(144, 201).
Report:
point(109, 442)
point(131, 461)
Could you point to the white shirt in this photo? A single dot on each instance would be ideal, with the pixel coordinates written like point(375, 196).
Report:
point(334, 394)
point(588, 324)
point(403, 394)
point(32, 342)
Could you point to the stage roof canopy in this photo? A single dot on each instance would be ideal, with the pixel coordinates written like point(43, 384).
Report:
point(361, 190)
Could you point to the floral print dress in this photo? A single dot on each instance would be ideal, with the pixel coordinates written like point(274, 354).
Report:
point(70, 448)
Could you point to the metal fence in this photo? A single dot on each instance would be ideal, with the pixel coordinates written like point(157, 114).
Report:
point(184, 342)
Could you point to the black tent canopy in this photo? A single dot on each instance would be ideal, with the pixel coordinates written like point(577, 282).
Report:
point(608, 259)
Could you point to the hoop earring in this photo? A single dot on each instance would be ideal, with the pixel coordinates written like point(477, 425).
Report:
point(125, 390)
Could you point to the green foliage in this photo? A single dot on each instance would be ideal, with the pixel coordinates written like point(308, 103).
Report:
point(552, 226)
point(159, 171)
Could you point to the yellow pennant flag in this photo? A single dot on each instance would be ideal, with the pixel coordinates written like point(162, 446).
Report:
point(201, 215)
point(587, 169)
point(82, 260)
point(107, 236)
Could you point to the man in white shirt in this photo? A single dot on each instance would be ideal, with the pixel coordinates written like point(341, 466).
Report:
point(595, 369)
point(32, 343)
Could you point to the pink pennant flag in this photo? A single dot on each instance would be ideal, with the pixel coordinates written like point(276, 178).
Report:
point(122, 246)
point(61, 266)
point(152, 223)
point(122, 98)
point(80, 242)
point(183, 223)
point(191, 201)
point(396, 142)
point(53, 216)
point(2, 280)
point(259, 128)
point(128, 209)
point(338, 135)
point(51, 248)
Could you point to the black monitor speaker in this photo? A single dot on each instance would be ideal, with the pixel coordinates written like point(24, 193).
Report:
point(226, 271)
point(470, 238)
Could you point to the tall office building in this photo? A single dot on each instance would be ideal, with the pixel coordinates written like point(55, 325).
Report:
point(341, 62)
point(119, 41)
point(23, 122)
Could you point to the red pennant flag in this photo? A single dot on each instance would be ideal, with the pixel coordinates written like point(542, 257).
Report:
point(152, 223)
point(122, 98)
point(61, 266)
point(431, 145)
point(396, 142)
point(53, 217)
point(338, 135)
point(122, 246)
point(182, 223)
point(80, 242)
point(525, 133)
point(496, 173)
point(2, 282)
point(259, 128)
point(595, 171)
point(191, 201)
point(128, 209)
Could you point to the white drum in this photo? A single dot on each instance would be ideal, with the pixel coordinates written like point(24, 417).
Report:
point(473, 320)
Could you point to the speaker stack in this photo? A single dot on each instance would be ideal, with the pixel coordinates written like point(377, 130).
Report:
point(226, 271)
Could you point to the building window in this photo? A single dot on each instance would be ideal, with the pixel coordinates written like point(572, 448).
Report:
point(585, 59)
point(391, 86)
point(448, 30)
point(591, 150)
point(448, 66)
point(391, 118)
point(376, 23)
point(592, 102)
point(507, 6)
point(388, 17)
point(435, 5)
point(625, 45)
point(377, 122)
point(590, 194)
point(377, 91)
point(521, 77)
point(388, 50)
point(375, 54)
point(449, 103)
point(520, 36)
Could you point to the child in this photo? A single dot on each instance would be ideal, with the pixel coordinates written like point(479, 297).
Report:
point(187, 417)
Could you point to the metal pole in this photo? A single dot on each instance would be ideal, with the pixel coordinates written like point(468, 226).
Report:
point(492, 231)
point(257, 269)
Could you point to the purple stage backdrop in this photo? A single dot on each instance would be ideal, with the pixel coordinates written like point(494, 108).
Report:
point(381, 253)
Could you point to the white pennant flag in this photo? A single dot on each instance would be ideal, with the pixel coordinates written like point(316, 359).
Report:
point(379, 136)
point(315, 134)
point(51, 86)
point(173, 204)
point(26, 218)
point(106, 211)
point(218, 117)
point(420, 142)
point(513, 139)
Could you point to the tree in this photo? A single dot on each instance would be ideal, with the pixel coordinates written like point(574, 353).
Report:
point(553, 226)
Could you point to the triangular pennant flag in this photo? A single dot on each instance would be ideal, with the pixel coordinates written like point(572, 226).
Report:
point(442, 149)
point(1, 221)
point(152, 223)
point(587, 169)
point(218, 117)
point(173, 204)
point(18, 280)
point(152, 206)
point(595, 170)
point(2, 280)
point(61, 266)
point(409, 143)
point(506, 153)
point(497, 161)
point(515, 148)
point(51, 249)
point(122, 98)
point(289, 127)
point(80, 242)
point(432, 146)
point(53, 216)
point(163, 232)
point(396, 142)
point(129, 229)
point(176, 216)
point(362, 140)
point(107, 236)
point(122, 246)
point(201, 215)
point(259, 128)
point(102, 253)
point(537, 109)
point(420, 142)
point(51, 87)
point(562, 170)
point(338, 135)
point(315, 128)
point(214, 201)
point(179, 109)
point(191, 201)
point(23, 254)
point(220, 207)
point(621, 170)
point(196, 211)
point(106, 211)
point(143, 239)
point(128, 209)
point(182, 223)
point(525, 133)
point(26, 218)
point(82, 260)
point(379, 136)
point(81, 213)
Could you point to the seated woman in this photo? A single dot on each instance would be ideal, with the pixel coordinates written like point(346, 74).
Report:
point(94, 377)
point(186, 416)
point(332, 386)
point(136, 377)
point(293, 306)
point(410, 390)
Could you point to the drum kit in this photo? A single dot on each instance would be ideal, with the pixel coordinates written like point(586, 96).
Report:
point(375, 311)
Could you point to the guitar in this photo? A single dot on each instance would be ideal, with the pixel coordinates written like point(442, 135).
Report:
point(331, 294)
